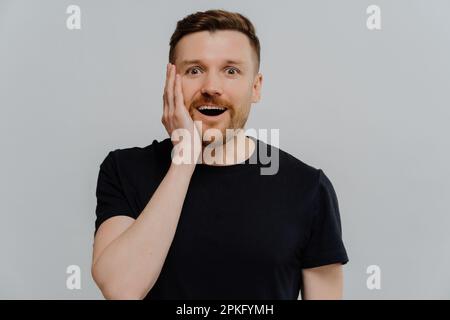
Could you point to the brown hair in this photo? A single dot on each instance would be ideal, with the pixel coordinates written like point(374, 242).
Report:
point(213, 20)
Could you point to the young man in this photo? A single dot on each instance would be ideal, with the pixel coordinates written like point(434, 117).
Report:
point(214, 230)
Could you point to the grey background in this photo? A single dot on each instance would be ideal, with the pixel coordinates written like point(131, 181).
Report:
point(368, 107)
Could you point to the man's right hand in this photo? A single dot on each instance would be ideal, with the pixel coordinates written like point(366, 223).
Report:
point(176, 116)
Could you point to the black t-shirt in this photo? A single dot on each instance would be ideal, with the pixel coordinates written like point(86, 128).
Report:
point(241, 234)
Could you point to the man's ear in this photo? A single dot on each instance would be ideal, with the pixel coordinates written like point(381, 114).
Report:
point(256, 89)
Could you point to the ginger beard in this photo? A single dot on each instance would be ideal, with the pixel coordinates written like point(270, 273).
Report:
point(232, 118)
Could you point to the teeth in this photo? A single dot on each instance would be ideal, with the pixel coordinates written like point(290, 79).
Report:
point(211, 107)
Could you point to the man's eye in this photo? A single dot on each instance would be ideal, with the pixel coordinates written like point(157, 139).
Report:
point(190, 69)
point(233, 69)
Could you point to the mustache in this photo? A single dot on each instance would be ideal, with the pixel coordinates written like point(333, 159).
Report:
point(213, 101)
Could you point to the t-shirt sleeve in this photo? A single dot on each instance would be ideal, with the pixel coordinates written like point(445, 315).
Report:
point(325, 245)
point(111, 200)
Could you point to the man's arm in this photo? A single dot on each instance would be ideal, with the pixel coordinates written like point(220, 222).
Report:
point(323, 283)
point(129, 254)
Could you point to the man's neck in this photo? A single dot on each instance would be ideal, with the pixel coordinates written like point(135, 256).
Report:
point(236, 150)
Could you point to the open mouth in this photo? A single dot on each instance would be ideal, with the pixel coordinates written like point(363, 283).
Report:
point(211, 111)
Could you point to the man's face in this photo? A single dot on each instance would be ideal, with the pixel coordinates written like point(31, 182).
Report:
point(218, 69)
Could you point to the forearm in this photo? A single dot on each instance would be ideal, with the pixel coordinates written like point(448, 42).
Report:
point(131, 264)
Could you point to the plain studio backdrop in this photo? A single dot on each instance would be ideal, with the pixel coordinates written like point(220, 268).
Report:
point(371, 108)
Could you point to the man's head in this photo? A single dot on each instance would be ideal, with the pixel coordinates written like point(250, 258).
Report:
point(217, 53)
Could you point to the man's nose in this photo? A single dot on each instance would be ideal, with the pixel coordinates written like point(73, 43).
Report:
point(211, 85)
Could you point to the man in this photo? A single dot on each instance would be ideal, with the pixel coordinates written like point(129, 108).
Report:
point(208, 229)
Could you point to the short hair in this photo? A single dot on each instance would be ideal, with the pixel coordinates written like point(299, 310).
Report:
point(214, 20)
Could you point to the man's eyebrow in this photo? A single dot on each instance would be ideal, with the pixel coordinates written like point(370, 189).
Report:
point(188, 62)
point(234, 62)
point(196, 61)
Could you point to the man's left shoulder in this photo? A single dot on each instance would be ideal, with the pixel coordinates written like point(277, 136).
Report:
point(293, 166)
